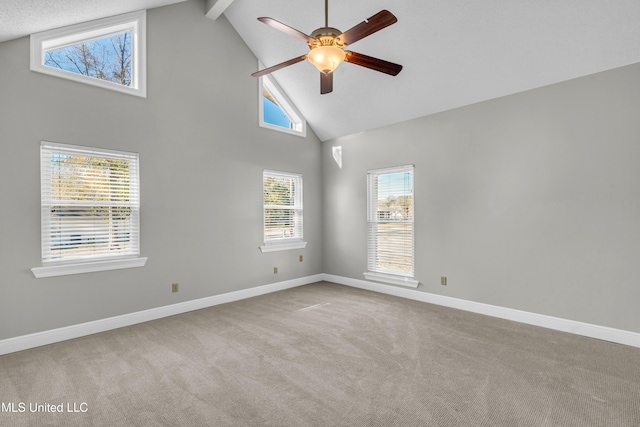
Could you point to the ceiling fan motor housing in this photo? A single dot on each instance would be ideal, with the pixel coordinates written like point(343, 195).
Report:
point(326, 36)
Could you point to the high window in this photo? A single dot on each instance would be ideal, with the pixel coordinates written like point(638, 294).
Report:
point(390, 226)
point(282, 202)
point(277, 112)
point(90, 209)
point(109, 53)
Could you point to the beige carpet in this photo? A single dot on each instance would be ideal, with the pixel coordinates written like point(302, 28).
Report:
point(324, 355)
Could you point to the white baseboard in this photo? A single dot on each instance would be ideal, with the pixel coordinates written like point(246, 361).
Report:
point(38, 339)
point(585, 329)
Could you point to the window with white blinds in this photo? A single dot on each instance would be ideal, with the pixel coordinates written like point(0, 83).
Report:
point(282, 201)
point(390, 235)
point(90, 204)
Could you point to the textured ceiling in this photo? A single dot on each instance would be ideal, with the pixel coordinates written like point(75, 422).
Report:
point(19, 18)
point(454, 52)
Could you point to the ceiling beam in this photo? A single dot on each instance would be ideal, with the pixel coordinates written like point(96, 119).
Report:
point(215, 8)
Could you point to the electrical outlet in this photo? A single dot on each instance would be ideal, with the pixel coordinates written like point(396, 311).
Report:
point(300, 258)
point(174, 287)
point(275, 270)
point(443, 280)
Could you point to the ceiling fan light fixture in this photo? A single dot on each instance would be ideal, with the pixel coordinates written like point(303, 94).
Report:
point(327, 44)
point(326, 58)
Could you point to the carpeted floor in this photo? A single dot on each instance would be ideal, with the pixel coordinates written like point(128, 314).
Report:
point(324, 355)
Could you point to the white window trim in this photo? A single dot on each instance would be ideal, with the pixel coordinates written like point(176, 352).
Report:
point(73, 34)
point(283, 246)
point(284, 103)
point(391, 279)
point(87, 267)
point(394, 279)
point(289, 243)
point(61, 268)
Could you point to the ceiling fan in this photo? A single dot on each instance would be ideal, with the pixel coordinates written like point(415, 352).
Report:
point(326, 46)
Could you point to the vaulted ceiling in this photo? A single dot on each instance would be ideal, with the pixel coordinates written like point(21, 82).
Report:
point(454, 52)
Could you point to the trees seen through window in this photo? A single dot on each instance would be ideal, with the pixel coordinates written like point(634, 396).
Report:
point(107, 58)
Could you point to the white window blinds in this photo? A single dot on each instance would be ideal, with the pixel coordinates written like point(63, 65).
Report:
point(282, 199)
point(90, 203)
point(390, 236)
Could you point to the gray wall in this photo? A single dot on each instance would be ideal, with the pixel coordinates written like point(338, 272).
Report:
point(201, 157)
point(530, 201)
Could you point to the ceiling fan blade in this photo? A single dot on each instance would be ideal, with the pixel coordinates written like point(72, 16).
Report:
point(279, 66)
point(373, 63)
point(287, 29)
point(377, 22)
point(326, 83)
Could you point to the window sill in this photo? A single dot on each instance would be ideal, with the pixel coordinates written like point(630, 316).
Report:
point(87, 267)
point(392, 279)
point(274, 247)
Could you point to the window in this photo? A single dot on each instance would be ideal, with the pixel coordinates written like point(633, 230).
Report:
point(109, 53)
point(337, 155)
point(277, 112)
point(282, 201)
point(90, 209)
point(390, 232)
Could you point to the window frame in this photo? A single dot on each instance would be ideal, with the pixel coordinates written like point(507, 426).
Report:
point(57, 267)
point(92, 30)
point(374, 273)
point(281, 244)
point(283, 101)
